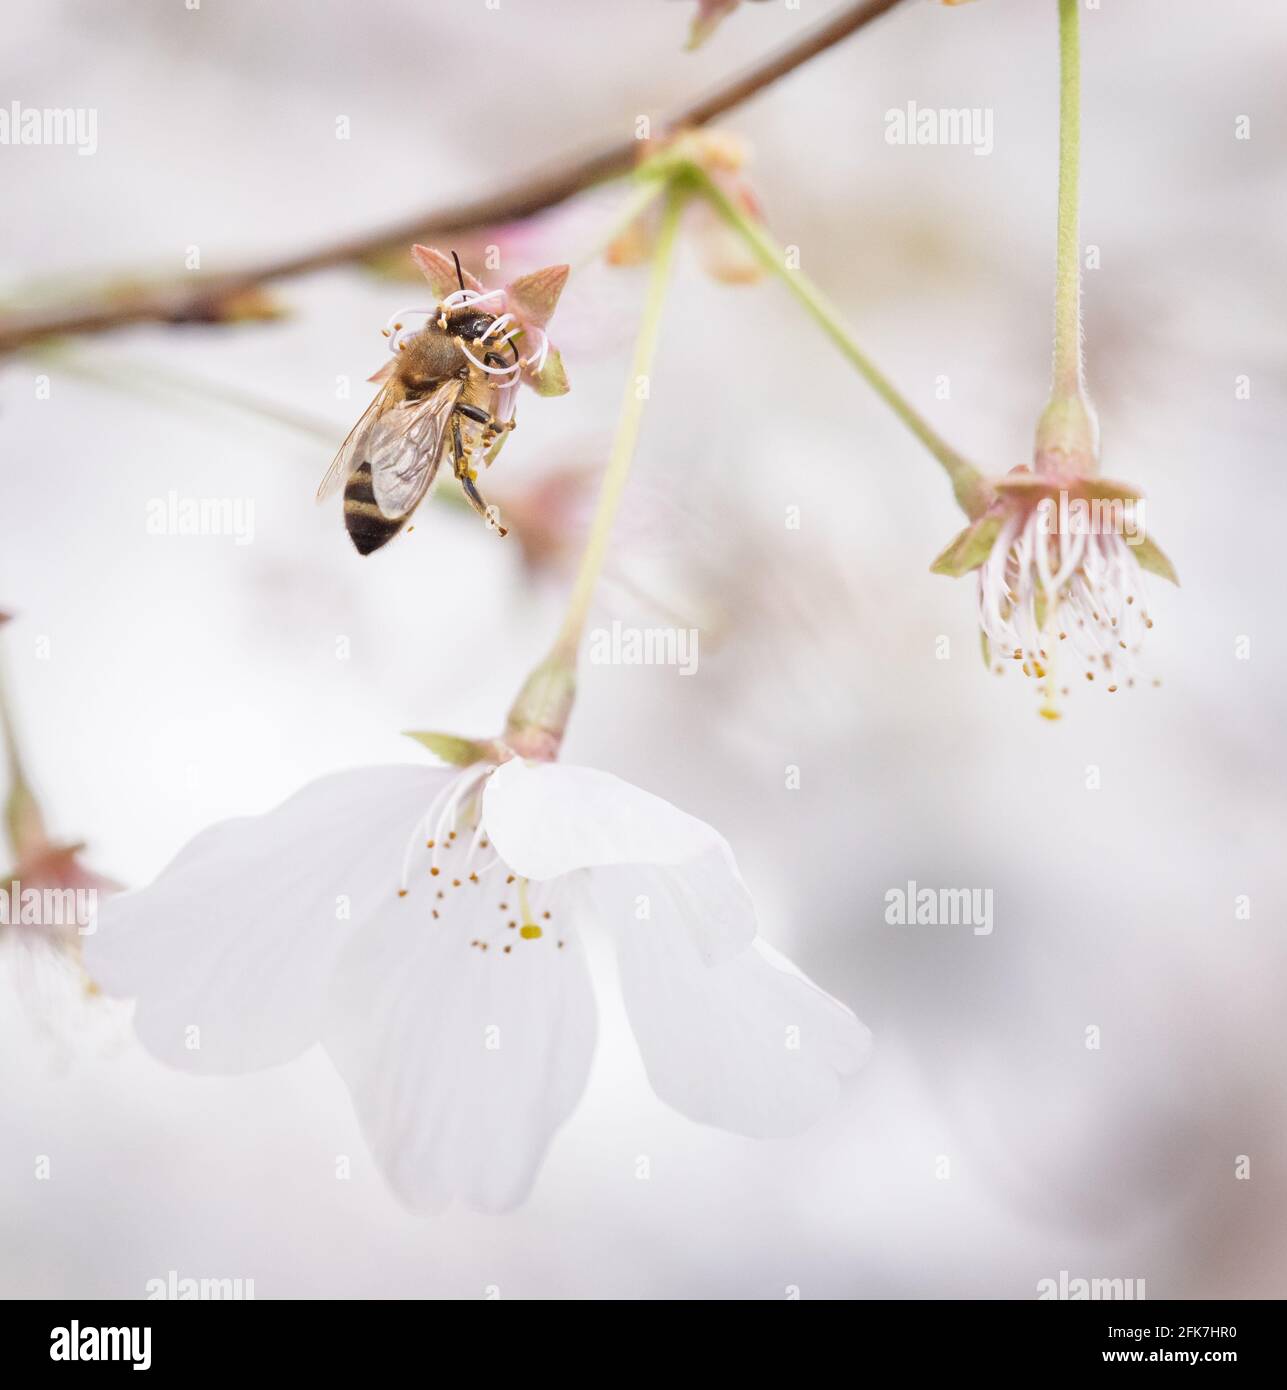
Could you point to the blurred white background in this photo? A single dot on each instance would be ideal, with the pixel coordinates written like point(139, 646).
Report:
point(188, 678)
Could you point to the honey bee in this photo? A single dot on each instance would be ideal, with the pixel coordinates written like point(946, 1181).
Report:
point(451, 388)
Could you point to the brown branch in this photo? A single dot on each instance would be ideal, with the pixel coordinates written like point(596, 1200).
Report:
point(211, 298)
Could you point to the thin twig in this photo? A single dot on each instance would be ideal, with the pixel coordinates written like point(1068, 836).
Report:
point(203, 299)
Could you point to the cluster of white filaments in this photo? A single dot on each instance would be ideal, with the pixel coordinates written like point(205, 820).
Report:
point(1047, 597)
point(504, 329)
point(450, 857)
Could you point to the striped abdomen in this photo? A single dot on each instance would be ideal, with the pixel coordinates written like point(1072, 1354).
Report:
point(367, 525)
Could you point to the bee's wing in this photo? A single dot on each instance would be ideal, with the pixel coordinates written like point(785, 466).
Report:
point(342, 465)
point(406, 446)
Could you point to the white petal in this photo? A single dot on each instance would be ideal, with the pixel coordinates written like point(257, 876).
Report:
point(462, 1062)
point(704, 898)
point(750, 1045)
point(238, 937)
point(547, 819)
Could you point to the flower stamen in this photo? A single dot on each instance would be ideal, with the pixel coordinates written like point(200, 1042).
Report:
point(1081, 585)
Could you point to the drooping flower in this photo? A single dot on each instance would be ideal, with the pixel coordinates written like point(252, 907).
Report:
point(1061, 551)
point(523, 309)
point(1060, 557)
point(424, 925)
point(723, 253)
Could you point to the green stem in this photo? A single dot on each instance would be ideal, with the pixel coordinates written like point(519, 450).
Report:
point(1068, 363)
point(1066, 443)
point(623, 445)
point(541, 710)
point(968, 483)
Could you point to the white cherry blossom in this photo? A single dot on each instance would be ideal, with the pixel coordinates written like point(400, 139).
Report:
point(425, 926)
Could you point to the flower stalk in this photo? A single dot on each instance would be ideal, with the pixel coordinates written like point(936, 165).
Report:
point(968, 484)
point(539, 715)
point(1066, 433)
point(1068, 360)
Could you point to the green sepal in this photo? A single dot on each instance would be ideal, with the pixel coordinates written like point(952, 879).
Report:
point(1153, 558)
point(970, 548)
point(552, 379)
point(490, 456)
point(1030, 487)
point(450, 748)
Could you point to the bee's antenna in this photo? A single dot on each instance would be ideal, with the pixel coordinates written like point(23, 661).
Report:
point(460, 274)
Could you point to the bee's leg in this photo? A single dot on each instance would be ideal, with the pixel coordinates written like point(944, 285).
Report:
point(481, 507)
point(493, 425)
point(465, 476)
point(491, 428)
point(494, 359)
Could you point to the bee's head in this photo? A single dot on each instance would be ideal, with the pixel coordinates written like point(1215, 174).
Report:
point(466, 321)
point(462, 313)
